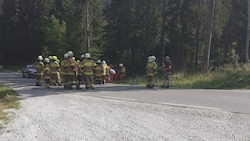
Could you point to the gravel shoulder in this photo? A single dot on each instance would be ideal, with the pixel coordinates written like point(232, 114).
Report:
point(78, 117)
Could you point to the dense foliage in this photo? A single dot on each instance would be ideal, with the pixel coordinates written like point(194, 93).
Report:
point(126, 31)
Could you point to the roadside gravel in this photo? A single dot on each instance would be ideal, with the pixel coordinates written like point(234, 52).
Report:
point(66, 116)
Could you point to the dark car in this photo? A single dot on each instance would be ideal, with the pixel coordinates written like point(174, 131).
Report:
point(29, 71)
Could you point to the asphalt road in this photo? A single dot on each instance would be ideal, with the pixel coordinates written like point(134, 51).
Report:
point(237, 101)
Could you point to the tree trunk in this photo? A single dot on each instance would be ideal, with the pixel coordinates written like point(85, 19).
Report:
point(209, 28)
point(248, 31)
point(163, 29)
point(198, 2)
point(87, 26)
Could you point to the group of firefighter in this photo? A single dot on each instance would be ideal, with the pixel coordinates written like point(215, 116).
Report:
point(86, 71)
point(151, 70)
point(70, 72)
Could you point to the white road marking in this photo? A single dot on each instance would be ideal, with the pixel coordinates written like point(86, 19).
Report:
point(189, 106)
point(118, 98)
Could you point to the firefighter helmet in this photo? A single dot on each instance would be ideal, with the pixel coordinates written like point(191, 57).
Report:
point(46, 60)
point(40, 58)
point(54, 58)
point(70, 53)
point(99, 62)
point(87, 55)
point(65, 56)
point(82, 56)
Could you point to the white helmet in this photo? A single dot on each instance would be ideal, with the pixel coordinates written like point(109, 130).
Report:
point(65, 56)
point(87, 55)
point(99, 62)
point(104, 62)
point(70, 53)
point(150, 59)
point(46, 60)
point(82, 56)
point(50, 57)
point(153, 58)
point(40, 58)
point(120, 65)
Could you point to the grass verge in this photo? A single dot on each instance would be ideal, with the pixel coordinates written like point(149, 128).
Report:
point(8, 100)
point(223, 78)
point(14, 68)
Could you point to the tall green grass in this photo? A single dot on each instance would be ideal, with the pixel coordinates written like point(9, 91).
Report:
point(14, 68)
point(226, 77)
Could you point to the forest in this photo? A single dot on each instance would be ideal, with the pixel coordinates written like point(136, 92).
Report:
point(198, 35)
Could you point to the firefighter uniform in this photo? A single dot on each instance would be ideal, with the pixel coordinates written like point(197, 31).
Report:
point(151, 68)
point(55, 68)
point(80, 70)
point(76, 78)
point(70, 70)
point(88, 71)
point(105, 71)
point(38, 65)
point(98, 71)
point(63, 69)
point(122, 72)
point(47, 73)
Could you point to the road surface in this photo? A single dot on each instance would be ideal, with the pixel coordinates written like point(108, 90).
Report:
point(124, 112)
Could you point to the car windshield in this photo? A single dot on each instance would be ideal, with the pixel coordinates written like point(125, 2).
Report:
point(30, 67)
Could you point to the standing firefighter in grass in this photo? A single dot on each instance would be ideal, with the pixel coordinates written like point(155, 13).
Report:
point(38, 65)
point(122, 73)
point(70, 70)
point(151, 69)
point(63, 69)
point(55, 68)
point(168, 72)
point(46, 73)
point(88, 71)
point(98, 71)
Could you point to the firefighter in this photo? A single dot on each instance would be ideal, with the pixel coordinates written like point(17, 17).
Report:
point(151, 68)
point(76, 78)
point(105, 71)
point(168, 72)
point(38, 65)
point(63, 69)
point(98, 71)
point(70, 70)
point(50, 58)
point(55, 68)
point(88, 70)
point(47, 73)
point(122, 72)
point(80, 71)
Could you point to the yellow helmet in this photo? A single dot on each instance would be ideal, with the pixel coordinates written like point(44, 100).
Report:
point(54, 58)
